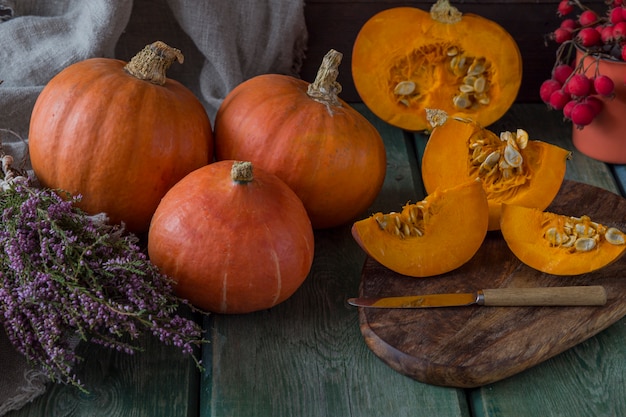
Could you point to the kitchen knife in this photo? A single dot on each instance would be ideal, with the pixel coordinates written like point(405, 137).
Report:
point(544, 296)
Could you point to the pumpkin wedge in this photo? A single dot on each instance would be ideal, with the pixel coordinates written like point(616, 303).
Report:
point(406, 60)
point(512, 168)
point(559, 244)
point(431, 237)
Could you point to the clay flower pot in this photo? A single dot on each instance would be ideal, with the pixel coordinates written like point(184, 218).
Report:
point(605, 138)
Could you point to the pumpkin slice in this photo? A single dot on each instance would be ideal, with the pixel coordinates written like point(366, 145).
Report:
point(431, 237)
point(513, 169)
point(559, 244)
point(406, 60)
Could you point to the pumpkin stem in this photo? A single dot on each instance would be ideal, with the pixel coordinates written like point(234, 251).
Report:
point(444, 12)
point(241, 172)
point(153, 61)
point(325, 88)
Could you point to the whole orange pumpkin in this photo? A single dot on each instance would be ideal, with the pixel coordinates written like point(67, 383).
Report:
point(118, 134)
point(233, 240)
point(327, 152)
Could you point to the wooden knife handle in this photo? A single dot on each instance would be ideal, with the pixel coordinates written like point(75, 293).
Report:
point(544, 296)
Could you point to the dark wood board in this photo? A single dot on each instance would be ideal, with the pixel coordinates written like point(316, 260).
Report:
point(468, 347)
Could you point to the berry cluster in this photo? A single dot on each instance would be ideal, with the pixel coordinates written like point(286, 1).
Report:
point(574, 89)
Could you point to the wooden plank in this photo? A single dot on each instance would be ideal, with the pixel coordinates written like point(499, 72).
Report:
point(619, 171)
point(587, 380)
point(156, 382)
point(306, 356)
point(335, 24)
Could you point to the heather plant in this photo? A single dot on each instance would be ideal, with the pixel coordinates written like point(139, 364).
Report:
point(67, 276)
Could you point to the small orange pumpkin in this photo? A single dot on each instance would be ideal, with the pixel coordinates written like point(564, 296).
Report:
point(431, 237)
point(234, 242)
point(559, 244)
point(326, 151)
point(512, 168)
point(406, 60)
point(118, 134)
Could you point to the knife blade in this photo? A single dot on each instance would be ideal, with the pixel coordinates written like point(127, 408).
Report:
point(594, 295)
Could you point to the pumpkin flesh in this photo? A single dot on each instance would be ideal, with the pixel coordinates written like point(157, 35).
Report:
point(457, 150)
point(548, 241)
point(431, 237)
point(406, 60)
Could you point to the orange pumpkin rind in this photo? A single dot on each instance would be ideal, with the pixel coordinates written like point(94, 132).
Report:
point(431, 237)
point(560, 244)
point(405, 60)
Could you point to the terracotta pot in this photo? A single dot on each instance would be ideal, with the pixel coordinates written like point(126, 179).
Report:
point(605, 138)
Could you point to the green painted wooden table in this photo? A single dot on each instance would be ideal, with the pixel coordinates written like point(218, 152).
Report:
point(306, 357)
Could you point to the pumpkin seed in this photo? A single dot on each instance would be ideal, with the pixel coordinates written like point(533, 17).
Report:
point(492, 159)
point(461, 101)
point(584, 230)
point(614, 236)
point(521, 138)
point(476, 68)
point(554, 237)
point(585, 244)
point(452, 51)
point(512, 156)
point(480, 84)
point(465, 88)
point(404, 88)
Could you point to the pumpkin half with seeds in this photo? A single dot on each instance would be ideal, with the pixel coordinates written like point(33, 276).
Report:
point(431, 237)
point(559, 244)
point(512, 168)
point(405, 60)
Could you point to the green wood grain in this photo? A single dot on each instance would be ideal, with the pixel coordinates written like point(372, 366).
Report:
point(156, 382)
point(306, 356)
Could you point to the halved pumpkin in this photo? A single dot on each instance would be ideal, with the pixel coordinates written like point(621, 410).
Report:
point(431, 237)
point(406, 60)
point(512, 168)
point(559, 244)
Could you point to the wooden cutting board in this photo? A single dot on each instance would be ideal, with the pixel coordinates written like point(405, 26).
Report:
point(473, 346)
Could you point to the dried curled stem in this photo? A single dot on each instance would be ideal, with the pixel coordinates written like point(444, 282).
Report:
point(153, 61)
point(325, 89)
point(444, 12)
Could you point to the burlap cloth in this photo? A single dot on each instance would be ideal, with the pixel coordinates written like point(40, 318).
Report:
point(224, 43)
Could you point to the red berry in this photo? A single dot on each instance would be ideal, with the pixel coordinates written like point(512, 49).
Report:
point(588, 37)
point(587, 18)
point(559, 99)
point(623, 52)
point(547, 88)
point(616, 15)
point(565, 8)
point(567, 109)
point(582, 114)
point(595, 103)
point(579, 85)
point(603, 85)
point(562, 35)
point(619, 30)
point(562, 72)
point(606, 33)
point(569, 24)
